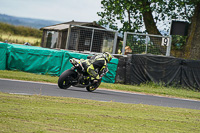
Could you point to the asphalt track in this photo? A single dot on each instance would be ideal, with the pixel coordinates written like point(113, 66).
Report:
point(31, 88)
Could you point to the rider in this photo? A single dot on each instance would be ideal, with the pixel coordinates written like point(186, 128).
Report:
point(97, 62)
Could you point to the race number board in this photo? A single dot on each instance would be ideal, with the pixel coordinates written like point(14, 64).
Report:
point(165, 41)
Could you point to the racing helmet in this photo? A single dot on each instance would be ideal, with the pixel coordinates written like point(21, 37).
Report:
point(107, 56)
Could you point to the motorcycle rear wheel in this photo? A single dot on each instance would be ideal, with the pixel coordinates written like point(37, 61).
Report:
point(66, 78)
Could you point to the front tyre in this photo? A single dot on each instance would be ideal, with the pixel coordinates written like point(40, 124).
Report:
point(66, 78)
point(93, 86)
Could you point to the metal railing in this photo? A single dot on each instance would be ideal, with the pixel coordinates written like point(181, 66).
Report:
point(82, 38)
point(136, 43)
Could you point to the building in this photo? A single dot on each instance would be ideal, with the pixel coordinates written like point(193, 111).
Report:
point(80, 36)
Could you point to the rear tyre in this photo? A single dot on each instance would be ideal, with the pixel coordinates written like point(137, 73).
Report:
point(93, 86)
point(66, 78)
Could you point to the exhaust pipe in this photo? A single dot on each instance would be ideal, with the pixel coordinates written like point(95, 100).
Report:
point(71, 61)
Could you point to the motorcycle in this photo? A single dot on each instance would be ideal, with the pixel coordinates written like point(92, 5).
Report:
point(77, 76)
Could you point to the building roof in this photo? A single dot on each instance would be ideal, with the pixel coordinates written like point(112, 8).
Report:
point(65, 26)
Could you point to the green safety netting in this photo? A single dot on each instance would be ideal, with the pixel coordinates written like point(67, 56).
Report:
point(34, 59)
point(45, 61)
point(3, 50)
point(110, 76)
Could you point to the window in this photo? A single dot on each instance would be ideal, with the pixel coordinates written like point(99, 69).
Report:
point(87, 41)
point(52, 37)
point(108, 44)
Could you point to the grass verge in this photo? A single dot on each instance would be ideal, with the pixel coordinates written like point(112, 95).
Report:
point(35, 113)
point(144, 88)
point(20, 39)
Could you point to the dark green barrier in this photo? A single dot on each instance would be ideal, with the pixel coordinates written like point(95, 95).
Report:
point(34, 59)
point(3, 50)
point(46, 61)
point(110, 76)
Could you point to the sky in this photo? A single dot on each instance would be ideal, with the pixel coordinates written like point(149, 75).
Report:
point(58, 10)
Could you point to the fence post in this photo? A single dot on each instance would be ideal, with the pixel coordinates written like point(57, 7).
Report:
point(92, 40)
point(146, 44)
point(115, 42)
point(68, 37)
point(124, 43)
point(169, 47)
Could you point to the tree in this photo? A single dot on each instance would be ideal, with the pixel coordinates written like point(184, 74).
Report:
point(136, 14)
point(192, 47)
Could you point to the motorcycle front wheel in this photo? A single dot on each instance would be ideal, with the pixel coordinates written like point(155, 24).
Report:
point(94, 86)
point(66, 78)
